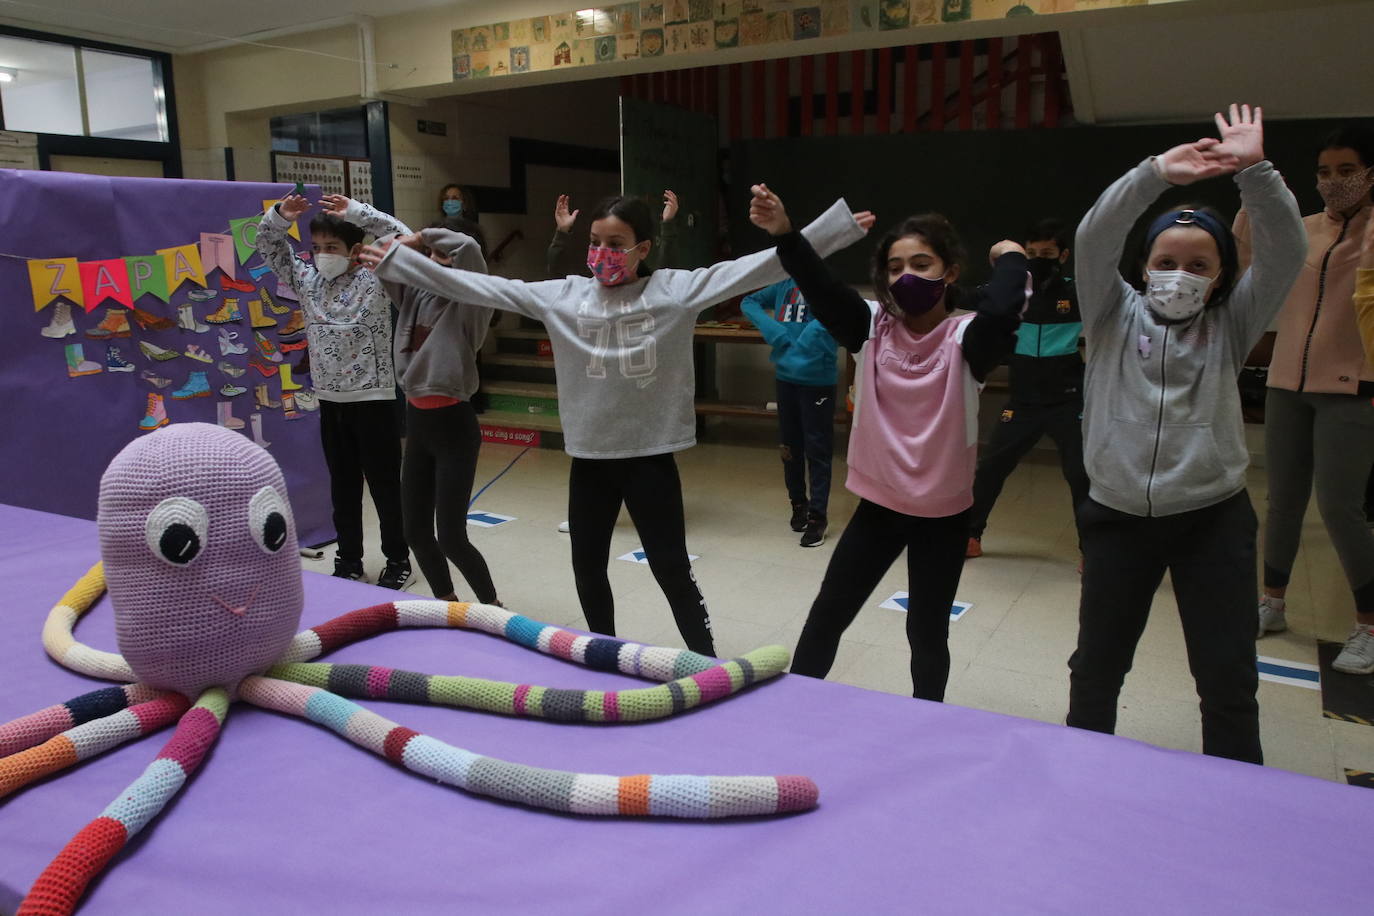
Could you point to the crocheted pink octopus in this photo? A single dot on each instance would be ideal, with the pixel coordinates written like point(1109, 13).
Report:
point(200, 559)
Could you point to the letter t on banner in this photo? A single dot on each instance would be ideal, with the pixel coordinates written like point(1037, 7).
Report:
point(53, 278)
point(217, 250)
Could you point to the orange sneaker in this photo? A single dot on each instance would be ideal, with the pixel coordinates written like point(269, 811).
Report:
point(975, 548)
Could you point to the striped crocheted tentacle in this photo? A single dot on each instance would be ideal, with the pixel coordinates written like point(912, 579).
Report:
point(636, 705)
point(62, 883)
point(602, 653)
point(98, 721)
point(64, 647)
point(38, 727)
point(556, 790)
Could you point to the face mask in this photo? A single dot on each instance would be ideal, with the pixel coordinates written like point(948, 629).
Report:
point(1345, 192)
point(1176, 295)
point(1043, 271)
point(453, 208)
point(331, 266)
point(608, 265)
point(916, 295)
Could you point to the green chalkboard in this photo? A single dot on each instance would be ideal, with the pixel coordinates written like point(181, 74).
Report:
point(662, 147)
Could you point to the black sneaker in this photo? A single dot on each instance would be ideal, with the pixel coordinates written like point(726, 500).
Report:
point(349, 569)
point(799, 516)
point(396, 575)
point(815, 531)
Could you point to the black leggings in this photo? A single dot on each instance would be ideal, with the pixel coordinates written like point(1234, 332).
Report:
point(436, 485)
point(650, 488)
point(869, 546)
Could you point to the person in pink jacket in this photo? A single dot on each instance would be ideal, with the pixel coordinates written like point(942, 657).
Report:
point(1319, 420)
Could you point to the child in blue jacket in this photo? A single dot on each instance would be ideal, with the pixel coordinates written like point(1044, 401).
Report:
point(804, 357)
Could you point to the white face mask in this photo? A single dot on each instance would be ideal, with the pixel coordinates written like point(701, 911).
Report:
point(331, 266)
point(1176, 295)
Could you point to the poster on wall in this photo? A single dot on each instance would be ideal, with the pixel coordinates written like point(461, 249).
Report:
point(135, 303)
point(328, 172)
point(360, 180)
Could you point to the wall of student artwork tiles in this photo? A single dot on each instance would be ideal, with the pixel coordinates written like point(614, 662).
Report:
point(664, 28)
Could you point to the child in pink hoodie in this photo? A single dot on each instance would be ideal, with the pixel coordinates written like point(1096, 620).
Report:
point(915, 438)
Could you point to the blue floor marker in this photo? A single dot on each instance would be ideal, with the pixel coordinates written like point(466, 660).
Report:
point(488, 519)
point(899, 601)
point(1295, 674)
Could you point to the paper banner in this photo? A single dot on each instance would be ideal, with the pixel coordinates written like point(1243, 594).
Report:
point(147, 274)
point(217, 251)
point(183, 263)
point(295, 230)
point(101, 280)
point(245, 235)
point(54, 277)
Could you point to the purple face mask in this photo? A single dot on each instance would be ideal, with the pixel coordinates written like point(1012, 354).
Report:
point(916, 295)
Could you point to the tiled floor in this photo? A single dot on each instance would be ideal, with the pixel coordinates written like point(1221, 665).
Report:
point(1009, 651)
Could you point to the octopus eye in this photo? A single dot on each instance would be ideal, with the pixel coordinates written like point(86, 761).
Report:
point(269, 519)
point(175, 530)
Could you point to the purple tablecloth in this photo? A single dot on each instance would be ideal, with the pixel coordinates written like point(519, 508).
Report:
point(924, 808)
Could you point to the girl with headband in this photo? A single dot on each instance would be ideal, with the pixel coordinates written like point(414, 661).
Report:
point(1164, 446)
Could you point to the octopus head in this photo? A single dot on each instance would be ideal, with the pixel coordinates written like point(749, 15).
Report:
point(200, 557)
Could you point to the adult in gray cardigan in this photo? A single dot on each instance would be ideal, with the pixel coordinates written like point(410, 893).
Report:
point(622, 349)
point(1163, 439)
point(435, 351)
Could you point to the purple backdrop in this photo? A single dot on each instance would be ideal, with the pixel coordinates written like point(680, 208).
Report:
point(61, 432)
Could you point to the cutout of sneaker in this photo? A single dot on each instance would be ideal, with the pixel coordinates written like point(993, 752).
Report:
point(798, 521)
point(230, 369)
point(814, 536)
point(1357, 657)
point(346, 569)
point(152, 378)
point(201, 295)
point(1271, 616)
point(153, 351)
point(115, 361)
point(196, 353)
point(975, 550)
point(396, 575)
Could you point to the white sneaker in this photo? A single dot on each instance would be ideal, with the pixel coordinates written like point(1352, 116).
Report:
point(1271, 617)
point(563, 527)
point(1358, 655)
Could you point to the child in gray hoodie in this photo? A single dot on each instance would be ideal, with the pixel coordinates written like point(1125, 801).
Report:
point(435, 353)
point(1163, 439)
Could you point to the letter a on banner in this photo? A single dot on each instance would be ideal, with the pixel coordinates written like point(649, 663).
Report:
point(217, 250)
point(183, 263)
point(148, 274)
point(105, 279)
point(55, 278)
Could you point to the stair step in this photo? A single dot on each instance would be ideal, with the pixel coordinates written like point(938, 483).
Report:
point(523, 360)
point(521, 389)
point(541, 422)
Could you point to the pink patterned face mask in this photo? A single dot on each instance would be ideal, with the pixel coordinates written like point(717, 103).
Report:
point(609, 265)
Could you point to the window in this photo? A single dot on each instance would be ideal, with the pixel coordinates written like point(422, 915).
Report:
point(56, 88)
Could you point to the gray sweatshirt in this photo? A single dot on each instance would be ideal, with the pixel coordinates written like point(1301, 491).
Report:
point(1162, 430)
point(622, 354)
point(436, 340)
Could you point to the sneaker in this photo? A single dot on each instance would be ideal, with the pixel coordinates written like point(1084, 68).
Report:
point(396, 575)
point(201, 295)
point(814, 535)
point(563, 528)
point(1358, 655)
point(154, 379)
point(1271, 616)
point(345, 569)
point(975, 550)
point(798, 522)
point(115, 362)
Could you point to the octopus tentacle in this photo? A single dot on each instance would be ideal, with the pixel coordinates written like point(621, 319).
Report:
point(633, 705)
point(602, 653)
point(37, 727)
point(64, 647)
point(62, 883)
point(93, 735)
point(557, 790)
